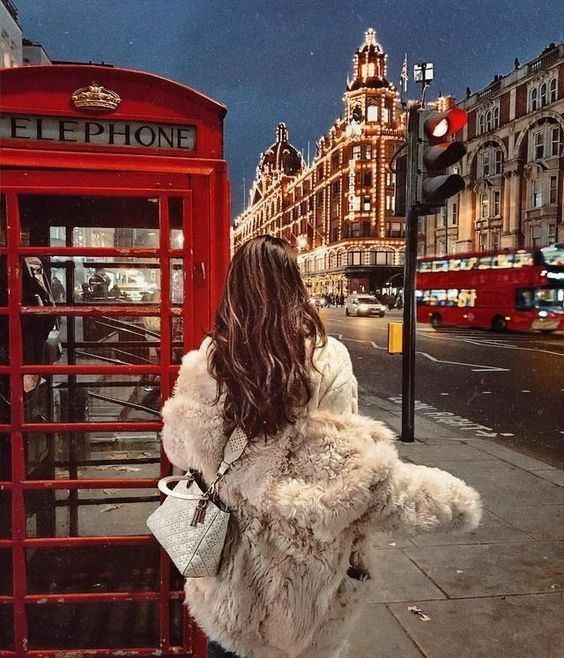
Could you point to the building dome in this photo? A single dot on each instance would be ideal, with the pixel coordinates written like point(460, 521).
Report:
point(281, 156)
point(369, 65)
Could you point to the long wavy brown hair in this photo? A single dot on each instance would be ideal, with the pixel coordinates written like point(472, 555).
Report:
point(263, 340)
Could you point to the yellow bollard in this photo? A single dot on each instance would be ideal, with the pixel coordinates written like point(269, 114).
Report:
point(395, 344)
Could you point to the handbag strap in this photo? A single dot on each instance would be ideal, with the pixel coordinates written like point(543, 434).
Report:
point(233, 449)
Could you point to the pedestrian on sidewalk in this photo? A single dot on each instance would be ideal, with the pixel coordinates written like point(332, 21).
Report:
point(315, 481)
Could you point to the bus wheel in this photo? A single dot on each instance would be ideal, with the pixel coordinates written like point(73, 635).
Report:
point(499, 323)
point(436, 321)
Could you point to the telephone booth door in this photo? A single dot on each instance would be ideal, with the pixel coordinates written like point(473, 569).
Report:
point(106, 279)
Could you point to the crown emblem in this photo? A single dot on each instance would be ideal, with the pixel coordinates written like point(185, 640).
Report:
point(95, 97)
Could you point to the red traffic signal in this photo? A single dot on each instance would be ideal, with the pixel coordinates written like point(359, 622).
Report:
point(440, 126)
point(436, 152)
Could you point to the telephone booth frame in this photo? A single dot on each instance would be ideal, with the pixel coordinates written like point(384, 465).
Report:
point(129, 157)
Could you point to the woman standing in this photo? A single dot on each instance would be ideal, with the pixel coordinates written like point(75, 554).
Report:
point(315, 481)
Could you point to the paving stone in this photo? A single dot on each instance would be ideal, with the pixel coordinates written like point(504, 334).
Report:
point(527, 626)
point(492, 530)
point(510, 456)
point(543, 522)
point(555, 476)
point(451, 451)
point(379, 633)
point(396, 578)
point(492, 569)
point(502, 484)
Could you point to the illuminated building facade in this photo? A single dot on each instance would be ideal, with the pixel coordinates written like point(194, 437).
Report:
point(339, 210)
point(514, 167)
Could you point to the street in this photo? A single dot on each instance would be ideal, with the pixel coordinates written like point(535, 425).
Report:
point(506, 387)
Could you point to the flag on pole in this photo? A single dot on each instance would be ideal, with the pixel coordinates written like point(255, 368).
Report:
point(404, 74)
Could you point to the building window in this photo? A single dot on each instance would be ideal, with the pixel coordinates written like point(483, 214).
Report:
point(495, 240)
point(320, 173)
point(537, 193)
point(366, 178)
point(483, 241)
point(368, 151)
point(454, 214)
point(538, 141)
point(553, 94)
point(355, 257)
point(481, 125)
point(534, 99)
point(356, 152)
point(552, 189)
point(334, 234)
point(498, 161)
point(335, 161)
point(496, 117)
point(485, 164)
point(385, 115)
point(543, 96)
point(366, 202)
point(496, 203)
point(336, 188)
point(555, 140)
point(536, 236)
point(488, 120)
point(372, 113)
point(484, 206)
point(443, 217)
point(551, 233)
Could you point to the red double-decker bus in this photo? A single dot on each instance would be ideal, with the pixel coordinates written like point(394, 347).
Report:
point(516, 290)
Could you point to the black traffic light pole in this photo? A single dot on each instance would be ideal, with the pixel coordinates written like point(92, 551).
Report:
point(409, 318)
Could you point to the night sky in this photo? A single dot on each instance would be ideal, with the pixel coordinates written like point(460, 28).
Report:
point(271, 60)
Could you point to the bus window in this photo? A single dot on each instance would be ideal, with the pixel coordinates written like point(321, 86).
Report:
point(440, 266)
point(525, 299)
point(522, 258)
point(466, 298)
point(468, 263)
point(454, 265)
point(502, 261)
point(424, 266)
point(452, 297)
point(553, 255)
point(485, 263)
point(549, 297)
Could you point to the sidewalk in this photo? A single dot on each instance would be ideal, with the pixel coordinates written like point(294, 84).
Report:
point(498, 591)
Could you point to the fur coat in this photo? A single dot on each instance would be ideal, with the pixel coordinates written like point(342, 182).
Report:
point(304, 506)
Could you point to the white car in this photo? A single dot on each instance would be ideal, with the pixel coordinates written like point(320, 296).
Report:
point(364, 305)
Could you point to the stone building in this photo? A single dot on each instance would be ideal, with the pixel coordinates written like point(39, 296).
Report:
point(514, 167)
point(14, 49)
point(338, 211)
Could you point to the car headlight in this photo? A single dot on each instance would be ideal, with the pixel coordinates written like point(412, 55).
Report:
point(542, 314)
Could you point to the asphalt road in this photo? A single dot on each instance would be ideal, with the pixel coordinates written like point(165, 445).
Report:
point(508, 387)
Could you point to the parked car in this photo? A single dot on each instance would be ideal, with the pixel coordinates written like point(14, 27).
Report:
point(364, 305)
point(318, 300)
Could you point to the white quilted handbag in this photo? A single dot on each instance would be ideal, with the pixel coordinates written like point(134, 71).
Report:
point(189, 525)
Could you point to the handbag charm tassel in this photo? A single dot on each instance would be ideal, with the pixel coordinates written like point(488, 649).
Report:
point(200, 512)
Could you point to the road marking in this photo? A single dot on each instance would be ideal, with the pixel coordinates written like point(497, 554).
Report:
point(476, 367)
point(486, 392)
point(492, 342)
point(449, 418)
point(525, 390)
point(445, 393)
point(506, 434)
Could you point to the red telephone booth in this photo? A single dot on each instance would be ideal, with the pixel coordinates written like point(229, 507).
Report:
point(114, 241)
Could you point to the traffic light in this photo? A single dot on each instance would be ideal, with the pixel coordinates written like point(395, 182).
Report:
point(437, 152)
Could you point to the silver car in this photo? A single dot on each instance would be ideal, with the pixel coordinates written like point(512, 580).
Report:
point(364, 305)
